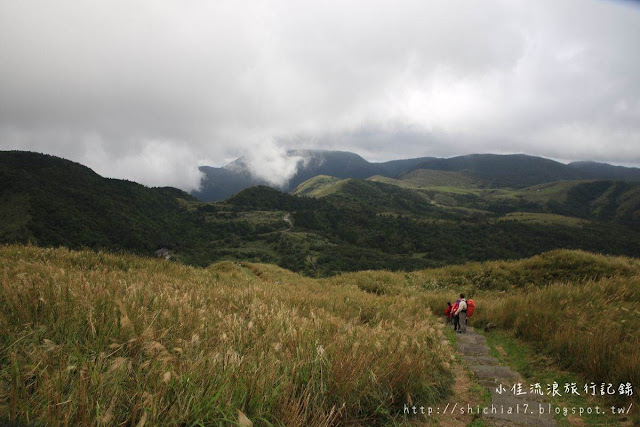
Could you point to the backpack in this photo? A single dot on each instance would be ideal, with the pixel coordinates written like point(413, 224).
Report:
point(471, 307)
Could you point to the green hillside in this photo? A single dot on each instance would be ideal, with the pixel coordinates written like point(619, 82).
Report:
point(376, 195)
point(445, 187)
point(427, 179)
point(220, 183)
point(549, 192)
point(318, 186)
point(355, 225)
point(601, 200)
point(544, 218)
point(515, 170)
point(379, 196)
point(436, 178)
point(51, 201)
point(609, 201)
point(470, 171)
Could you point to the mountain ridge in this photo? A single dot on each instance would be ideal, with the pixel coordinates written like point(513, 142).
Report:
point(221, 182)
point(496, 170)
point(363, 225)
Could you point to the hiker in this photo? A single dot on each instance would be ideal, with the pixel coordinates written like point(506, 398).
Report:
point(456, 318)
point(447, 313)
point(461, 312)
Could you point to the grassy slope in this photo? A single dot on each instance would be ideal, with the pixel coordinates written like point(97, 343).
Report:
point(440, 182)
point(96, 338)
point(421, 178)
point(318, 186)
point(553, 191)
point(590, 329)
point(601, 200)
point(576, 310)
point(436, 178)
point(535, 367)
point(92, 336)
point(544, 219)
point(369, 192)
point(514, 170)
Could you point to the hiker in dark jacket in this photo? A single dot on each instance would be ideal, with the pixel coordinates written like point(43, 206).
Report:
point(456, 318)
point(461, 312)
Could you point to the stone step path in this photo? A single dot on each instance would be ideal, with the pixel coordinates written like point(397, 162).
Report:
point(475, 353)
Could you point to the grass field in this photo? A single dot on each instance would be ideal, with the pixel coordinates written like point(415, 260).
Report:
point(99, 339)
point(544, 219)
point(103, 339)
point(536, 367)
point(591, 328)
point(555, 191)
point(318, 186)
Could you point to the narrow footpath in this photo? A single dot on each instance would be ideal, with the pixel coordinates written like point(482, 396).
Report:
point(475, 353)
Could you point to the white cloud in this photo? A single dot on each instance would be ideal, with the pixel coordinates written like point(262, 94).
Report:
point(157, 163)
point(216, 80)
point(271, 162)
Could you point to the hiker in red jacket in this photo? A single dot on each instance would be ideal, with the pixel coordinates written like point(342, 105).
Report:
point(448, 313)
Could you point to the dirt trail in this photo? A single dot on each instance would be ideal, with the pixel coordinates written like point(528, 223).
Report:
point(525, 408)
point(289, 221)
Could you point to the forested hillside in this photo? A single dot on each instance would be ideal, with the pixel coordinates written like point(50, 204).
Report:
point(335, 225)
point(54, 202)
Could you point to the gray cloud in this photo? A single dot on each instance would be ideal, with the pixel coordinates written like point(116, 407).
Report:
point(149, 90)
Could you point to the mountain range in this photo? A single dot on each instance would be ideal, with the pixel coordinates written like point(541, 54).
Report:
point(403, 217)
point(489, 170)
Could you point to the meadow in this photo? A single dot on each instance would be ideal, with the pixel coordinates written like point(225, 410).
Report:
point(99, 339)
point(92, 338)
point(576, 310)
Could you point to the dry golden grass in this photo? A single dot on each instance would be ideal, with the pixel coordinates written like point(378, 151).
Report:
point(591, 328)
point(99, 339)
point(581, 309)
point(541, 270)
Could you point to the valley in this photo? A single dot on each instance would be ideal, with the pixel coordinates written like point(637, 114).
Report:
point(420, 219)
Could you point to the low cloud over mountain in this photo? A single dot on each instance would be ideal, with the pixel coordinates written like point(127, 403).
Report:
point(149, 93)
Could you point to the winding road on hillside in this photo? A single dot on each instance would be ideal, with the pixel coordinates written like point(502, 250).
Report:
point(526, 408)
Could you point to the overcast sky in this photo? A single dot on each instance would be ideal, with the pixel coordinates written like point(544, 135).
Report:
point(148, 90)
